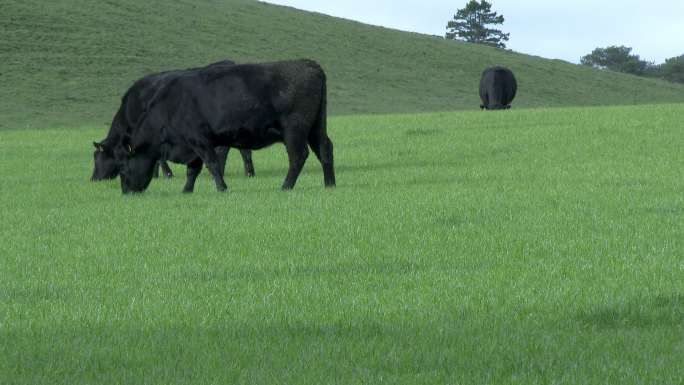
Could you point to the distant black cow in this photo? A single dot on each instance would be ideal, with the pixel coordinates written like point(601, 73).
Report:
point(248, 106)
point(133, 105)
point(497, 88)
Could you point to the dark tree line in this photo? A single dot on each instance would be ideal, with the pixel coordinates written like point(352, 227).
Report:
point(621, 59)
point(672, 69)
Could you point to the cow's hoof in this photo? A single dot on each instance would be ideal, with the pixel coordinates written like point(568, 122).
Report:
point(168, 176)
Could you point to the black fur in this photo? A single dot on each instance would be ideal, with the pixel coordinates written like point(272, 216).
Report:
point(249, 106)
point(497, 88)
point(133, 105)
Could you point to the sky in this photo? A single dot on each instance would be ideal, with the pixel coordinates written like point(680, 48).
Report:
point(552, 29)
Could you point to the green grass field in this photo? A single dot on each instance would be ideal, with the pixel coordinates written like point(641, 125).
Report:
point(525, 247)
point(67, 63)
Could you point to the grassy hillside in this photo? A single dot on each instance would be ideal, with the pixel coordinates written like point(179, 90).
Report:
point(66, 63)
point(529, 247)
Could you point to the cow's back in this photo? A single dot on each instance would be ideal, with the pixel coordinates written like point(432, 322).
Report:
point(248, 89)
point(138, 97)
point(245, 106)
point(498, 87)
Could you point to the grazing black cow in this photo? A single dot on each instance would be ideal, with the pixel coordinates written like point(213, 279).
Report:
point(133, 105)
point(249, 106)
point(497, 88)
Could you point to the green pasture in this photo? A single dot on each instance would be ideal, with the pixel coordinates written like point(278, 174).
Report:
point(526, 247)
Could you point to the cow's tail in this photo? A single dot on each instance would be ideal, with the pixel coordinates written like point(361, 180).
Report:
point(323, 108)
point(318, 137)
point(498, 93)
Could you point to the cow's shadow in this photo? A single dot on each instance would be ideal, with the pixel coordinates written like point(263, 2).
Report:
point(315, 168)
point(646, 313)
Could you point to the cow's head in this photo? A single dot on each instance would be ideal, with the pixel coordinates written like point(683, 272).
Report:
point(136, 168)
point(105, 163)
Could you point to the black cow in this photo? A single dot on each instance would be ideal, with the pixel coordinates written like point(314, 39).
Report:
point(133, 105)
point(497, 88)
point(249, 106)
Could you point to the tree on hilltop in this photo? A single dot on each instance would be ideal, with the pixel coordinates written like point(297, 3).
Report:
point(617, 58)
point(472, 23)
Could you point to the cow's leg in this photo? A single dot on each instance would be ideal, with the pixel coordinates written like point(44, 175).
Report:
point(297, 152)
point(208, 155)
point(247, 161)
point(222, 155)
point(155, 173)
point(194, 169)
point(323, 148)
point(166, 169)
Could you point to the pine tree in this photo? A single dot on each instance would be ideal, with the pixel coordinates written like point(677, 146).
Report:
point(471, 24)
